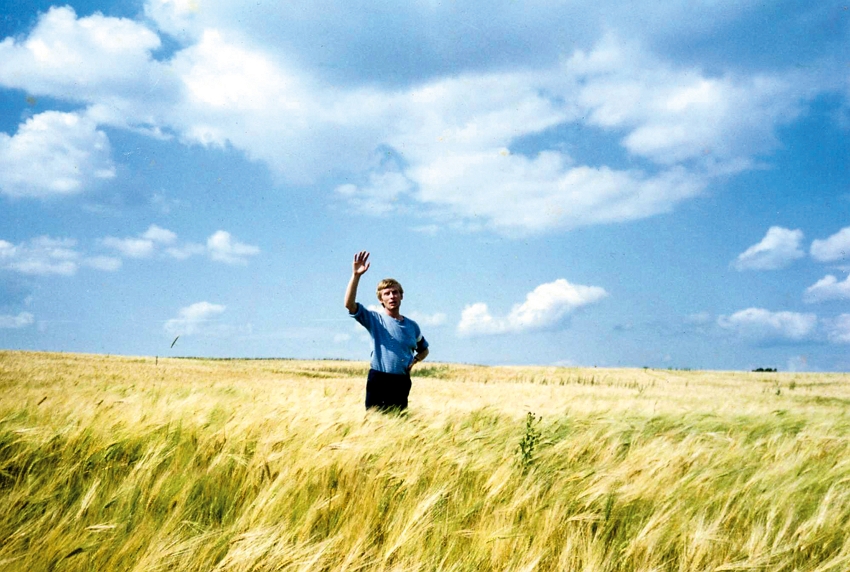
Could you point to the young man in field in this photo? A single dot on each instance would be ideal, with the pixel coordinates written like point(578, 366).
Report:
point(397, 342)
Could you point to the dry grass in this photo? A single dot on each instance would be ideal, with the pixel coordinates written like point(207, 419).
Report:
point(116, 463)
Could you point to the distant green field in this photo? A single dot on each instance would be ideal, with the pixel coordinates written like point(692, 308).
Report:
point(121, 463)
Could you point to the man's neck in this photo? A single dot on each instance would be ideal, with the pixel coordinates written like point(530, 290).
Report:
point(395, 315)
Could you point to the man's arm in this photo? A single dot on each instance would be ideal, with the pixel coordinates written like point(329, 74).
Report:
point(359, 267)
point(420, 355)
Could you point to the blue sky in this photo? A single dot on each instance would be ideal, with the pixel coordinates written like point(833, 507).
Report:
point(553, 183)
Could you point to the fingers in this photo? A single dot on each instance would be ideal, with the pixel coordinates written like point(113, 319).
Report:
point(361, 262)
point(361, 257)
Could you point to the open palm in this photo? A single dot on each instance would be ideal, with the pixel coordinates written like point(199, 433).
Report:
point(361, 263)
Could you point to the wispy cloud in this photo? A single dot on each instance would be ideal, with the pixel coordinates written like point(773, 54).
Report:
point(380, 195)
point(185, 250)
point(838, 329)
point(45, 256)
point(105, 263)
point(22, 320)
point(544, 307)
point(779, 248)
point(194, 318)
point(433, 320)
point(760, 325)
point(42, 255)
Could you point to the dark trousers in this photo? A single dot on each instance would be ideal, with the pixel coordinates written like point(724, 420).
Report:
point(387, 391)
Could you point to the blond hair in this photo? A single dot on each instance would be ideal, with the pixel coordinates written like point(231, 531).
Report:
point(388, 283)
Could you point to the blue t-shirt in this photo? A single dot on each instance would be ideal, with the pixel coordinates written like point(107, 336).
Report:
point(393, 341)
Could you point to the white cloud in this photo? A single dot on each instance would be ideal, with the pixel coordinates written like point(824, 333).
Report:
point(193, 319)
point(679, 114)
point(44, 256)
point(779, 247)
point(428, 320)
point(88, 59)
point(130, 247)
point(223, 248)
point(142, 246)
point(427, 34)
point(233, 95)
point(53, 153)
point(838, 329)
point(699, 318)
point(186, 250)
point(158, 234)
point(228, 87)
point(341, 338)
point(834, 248)
point(544, 307)
point(762, 325)
point(220, 246)
point(105, 263)
point(380, 196)
point(516, 195)
point(20, 321)
point(41, 256)
point(827, 288)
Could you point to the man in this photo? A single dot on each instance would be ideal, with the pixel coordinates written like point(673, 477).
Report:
point(397, 342)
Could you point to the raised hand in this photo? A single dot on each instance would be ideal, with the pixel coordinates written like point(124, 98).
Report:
point(361, 263)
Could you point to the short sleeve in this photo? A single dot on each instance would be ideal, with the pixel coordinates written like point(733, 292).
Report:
point(421, 342)
point(363, 316)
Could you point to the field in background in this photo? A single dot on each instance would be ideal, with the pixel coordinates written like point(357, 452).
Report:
point(144, 464)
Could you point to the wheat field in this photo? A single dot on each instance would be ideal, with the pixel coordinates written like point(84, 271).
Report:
point(145, 464)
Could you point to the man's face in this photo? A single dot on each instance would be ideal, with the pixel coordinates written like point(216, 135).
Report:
point(391, 297)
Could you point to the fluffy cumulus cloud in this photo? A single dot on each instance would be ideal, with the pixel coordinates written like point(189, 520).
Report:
point(22, 320)
point(54, 153)
point(220, 246)
point(544, 308)
point(456, 126)
point(194, 318)
point(760, 325)
point(141, 246)
point(779, 248)
point(828, 288)
point(223, 248)
point(89, 59)
point(833, 249)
